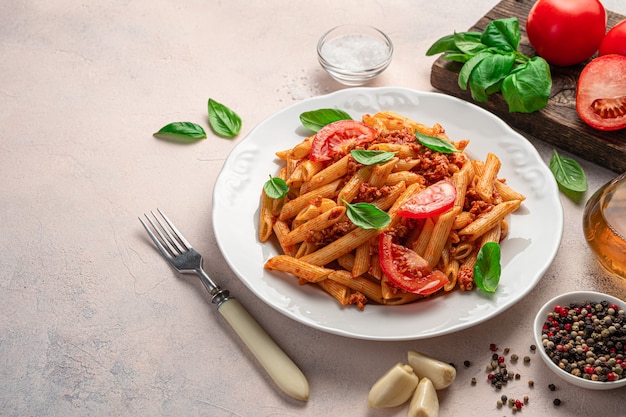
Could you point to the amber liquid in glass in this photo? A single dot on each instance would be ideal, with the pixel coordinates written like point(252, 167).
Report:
point(604, 224)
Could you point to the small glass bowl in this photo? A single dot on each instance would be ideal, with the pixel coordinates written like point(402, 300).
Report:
point(354, 54)
point(564, 300)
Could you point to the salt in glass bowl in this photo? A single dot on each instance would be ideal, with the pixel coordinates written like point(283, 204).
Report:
point(354, 54)
point(564, 300)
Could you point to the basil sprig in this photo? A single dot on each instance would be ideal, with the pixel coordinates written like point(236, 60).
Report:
point(182, 132)
point(492, 64)
point(371, 157)
point(436, 144)
point(366, 215)
point(487, 269)
point(224, 121)
point(314, 120)
point(275, 187)
point(568, 173)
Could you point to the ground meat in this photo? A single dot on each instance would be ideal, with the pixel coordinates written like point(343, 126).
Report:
point(358, 299)
point(465, 278)
point(368, 193)
point(434, 166)
point(402, 136)
point(475, 204)
point(326, 236)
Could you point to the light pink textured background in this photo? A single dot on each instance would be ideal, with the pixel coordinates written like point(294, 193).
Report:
point(92, 320)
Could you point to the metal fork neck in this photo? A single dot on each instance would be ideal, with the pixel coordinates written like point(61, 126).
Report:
point(218, 295)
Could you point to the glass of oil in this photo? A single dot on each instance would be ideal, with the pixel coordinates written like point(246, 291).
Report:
point(604, 224)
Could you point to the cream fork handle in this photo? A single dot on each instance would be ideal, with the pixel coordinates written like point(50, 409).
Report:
point(278, 365)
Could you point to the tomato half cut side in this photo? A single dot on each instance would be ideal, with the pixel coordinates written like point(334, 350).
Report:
point(601, 93)
point(407, 270)
point(431, 201)
point(338, 138)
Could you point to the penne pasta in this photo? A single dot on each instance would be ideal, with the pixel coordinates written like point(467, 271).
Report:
point(297, 267)
point(293, 207)
point(321, 222)
point(486, 221)
point(317, 223)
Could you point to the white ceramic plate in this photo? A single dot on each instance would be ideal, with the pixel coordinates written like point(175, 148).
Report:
point(534, 236)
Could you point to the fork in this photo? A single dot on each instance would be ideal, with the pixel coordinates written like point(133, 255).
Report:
point(185, 259)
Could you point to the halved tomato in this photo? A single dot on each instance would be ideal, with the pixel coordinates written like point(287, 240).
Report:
point(601, 93)
point(406, 269)
point(431, 201)
point(338, 138)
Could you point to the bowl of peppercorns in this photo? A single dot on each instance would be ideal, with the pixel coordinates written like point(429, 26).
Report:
point(581, 335)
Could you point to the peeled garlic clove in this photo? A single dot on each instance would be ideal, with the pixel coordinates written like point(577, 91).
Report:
point(395, 387)
point(424, 402)
point(440, 373)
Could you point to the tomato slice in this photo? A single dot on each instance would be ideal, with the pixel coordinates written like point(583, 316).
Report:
point(601, 93)
point(338, 138)
point(406, 269)
point(431, 201)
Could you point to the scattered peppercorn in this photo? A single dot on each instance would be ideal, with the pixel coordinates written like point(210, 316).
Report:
point(531, 383)
point(506, 351)
point(514, 358)
point(551, 387)
point(533, 348)
point(467, 364)
point(493, 347)
point(556, 402)
point(473, 381)
point(527, 359)
point(526, 399)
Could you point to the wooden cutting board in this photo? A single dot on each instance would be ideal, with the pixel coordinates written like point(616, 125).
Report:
point(558, 123)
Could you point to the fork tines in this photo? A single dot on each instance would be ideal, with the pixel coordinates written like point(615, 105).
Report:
point(165, 235)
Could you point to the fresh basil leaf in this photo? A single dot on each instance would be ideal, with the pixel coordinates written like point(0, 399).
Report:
point(568, 173)
point(366, 215)
point(458, 57)
point(487, 269)
point(488, 73)
point(466, 70)
point(275, 188)
point(503, 34)
point(527, 88)
point(223, 120)
point(468, 44)
point(372, 157)
point(492, 63)
point(182, 132)
point(314, 120)
point(447, 44)
point(442, 45)
point(435, 144)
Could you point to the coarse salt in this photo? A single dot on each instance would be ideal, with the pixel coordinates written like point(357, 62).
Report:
point(355, 52)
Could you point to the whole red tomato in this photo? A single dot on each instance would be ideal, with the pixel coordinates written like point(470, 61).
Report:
point(615, 40)
point(566, 32)
point(601, 93)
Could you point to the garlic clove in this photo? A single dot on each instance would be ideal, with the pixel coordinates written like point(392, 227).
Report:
point(440, 373)
point(424, 402)
point(394, 388)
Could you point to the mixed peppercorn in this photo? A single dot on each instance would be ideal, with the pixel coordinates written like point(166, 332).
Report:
point(587, 340)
